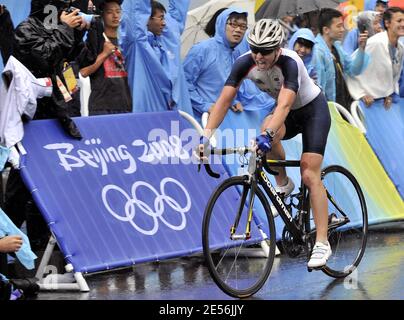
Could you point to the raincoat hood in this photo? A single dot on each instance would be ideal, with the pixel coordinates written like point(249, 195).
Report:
point(220, 26)
point(306, 34)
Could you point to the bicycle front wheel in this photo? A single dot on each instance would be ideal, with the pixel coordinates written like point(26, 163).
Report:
point(348, 221)
point(238, 264)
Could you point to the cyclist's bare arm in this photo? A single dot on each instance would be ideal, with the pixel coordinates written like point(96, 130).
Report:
point(286, 99)
point(220, 109)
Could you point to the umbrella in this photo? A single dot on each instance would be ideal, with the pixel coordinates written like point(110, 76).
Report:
point(200, 16)
point(280, 9)
point(396, 3)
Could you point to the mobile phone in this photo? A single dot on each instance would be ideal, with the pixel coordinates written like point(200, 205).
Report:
point(361, 27)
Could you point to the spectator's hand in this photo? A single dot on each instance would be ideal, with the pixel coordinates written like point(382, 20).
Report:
point(388, 101)
point(201, 151)
point(83, 25)
point(368, 100)
point(87, 19)
point(10, 244)
point(238, 107)
point(363, 38)
point(263, 143)
point(73, 20)
point(109, 48)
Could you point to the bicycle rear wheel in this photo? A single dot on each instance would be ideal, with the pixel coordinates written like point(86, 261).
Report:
point(348, 221)
point(239, 266)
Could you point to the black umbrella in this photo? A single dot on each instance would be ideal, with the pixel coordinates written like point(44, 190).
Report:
point(280, 9)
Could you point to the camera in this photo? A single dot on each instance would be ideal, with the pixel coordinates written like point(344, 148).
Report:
point(361, 27)
point(71, 9)
point(87, 17)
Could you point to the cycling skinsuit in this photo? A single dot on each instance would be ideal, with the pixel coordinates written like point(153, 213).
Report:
point(309, 114)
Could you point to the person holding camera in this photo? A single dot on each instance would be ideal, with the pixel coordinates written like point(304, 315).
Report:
point(369, 21)
point(332, 63)
point(387, 54)
point(43, 42)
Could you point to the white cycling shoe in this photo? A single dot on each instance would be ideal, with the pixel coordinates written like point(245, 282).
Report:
point(285, 190)
point(319, 256)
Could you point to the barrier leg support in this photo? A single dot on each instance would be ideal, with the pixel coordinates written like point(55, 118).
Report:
point(54, 281)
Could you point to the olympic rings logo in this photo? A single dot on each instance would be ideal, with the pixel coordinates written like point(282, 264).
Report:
point(133, 204)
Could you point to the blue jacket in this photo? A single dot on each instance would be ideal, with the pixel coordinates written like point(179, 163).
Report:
point(324, 63)
point(208, 65)
point(155, 74)
point(307, 34)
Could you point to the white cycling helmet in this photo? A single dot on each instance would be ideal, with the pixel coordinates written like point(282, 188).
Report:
point(266, 34)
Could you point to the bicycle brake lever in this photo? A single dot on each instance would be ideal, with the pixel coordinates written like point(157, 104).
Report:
point(210, 171)
point(207, 168)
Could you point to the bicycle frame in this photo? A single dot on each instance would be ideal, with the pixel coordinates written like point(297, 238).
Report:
point(279, 204)
point(256, 172)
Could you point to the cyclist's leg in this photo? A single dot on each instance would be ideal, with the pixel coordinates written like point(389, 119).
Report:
point(311, 175)
point(316, 121)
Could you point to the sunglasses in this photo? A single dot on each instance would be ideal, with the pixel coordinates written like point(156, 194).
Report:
point(264, 52)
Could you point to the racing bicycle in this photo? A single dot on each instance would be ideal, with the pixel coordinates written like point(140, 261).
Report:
point(239, 237)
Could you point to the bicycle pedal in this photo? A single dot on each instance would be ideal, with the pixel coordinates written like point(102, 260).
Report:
point(334, 219)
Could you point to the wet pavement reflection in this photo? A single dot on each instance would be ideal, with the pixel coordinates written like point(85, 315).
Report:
point(379, 276)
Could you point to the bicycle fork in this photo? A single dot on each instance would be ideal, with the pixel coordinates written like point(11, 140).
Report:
point(247, 234)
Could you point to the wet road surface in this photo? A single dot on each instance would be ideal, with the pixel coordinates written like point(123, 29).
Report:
point(379, 276)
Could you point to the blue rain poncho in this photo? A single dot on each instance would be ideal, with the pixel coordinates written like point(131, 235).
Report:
point(323, 62)
point(208, 65)
point(25, 254)
point(155, 74)
point(306, 34)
